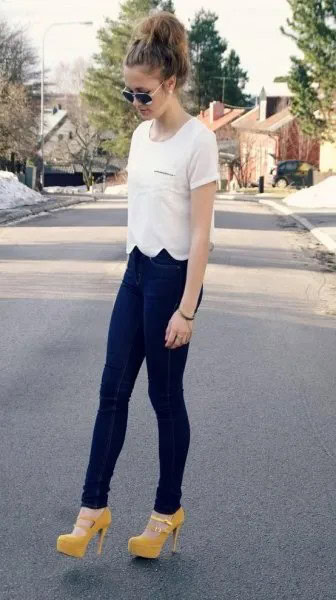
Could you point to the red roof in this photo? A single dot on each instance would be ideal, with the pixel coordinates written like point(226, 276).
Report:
point(251, 122)
point(230, 114)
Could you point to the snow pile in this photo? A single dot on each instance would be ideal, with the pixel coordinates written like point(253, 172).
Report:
point(13, 193)
point(111, 190)
point(321, 195)
point(69, 189)
point(117, 190)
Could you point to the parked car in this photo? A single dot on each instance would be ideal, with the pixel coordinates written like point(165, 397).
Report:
point(290, 172)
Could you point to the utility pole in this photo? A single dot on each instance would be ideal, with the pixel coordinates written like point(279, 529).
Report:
point(223, 86)
point(42, 86)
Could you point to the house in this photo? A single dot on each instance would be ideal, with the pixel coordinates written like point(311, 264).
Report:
point(269, 133)
point(328, 149)
point(219, 118)
point(59, 132)
point(328, 156)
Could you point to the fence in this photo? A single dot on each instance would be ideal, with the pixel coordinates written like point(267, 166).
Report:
point(25, 174)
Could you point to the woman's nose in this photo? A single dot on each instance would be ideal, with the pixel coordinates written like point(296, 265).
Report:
point(136, 103)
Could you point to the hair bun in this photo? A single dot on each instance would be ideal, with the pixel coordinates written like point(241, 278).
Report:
point(161, 28)
point(160, 40)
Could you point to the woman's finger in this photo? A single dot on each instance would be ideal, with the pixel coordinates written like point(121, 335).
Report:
point(179, 341)
point(171, 338)
point(167, 331)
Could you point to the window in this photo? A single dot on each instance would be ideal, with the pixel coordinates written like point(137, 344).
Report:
point(291, 166)
point(70, 135)
point(60, 137)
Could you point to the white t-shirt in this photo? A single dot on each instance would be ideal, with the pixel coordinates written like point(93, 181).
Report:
point(161, 176)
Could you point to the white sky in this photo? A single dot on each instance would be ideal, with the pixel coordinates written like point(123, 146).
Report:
point(251, 27)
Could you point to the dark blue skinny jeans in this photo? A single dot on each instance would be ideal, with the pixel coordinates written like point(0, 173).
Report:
point(150, 292)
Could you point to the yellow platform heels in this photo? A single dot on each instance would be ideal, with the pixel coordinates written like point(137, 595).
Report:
point(76, 545)
point(150, 547)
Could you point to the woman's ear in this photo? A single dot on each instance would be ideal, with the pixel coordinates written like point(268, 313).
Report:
point(171, 83)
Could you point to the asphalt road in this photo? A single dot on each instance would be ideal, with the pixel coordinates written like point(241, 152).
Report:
point(259, 485)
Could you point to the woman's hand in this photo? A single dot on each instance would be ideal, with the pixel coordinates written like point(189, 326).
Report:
point(178, 326)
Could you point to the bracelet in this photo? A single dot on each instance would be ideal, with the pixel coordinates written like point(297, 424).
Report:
point(185, 317)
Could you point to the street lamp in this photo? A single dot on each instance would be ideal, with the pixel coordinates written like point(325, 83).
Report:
point(42, 85)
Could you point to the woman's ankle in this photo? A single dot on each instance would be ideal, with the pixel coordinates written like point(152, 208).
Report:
point(89, 510)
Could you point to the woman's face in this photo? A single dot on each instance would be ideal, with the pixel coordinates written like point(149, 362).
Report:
point(138, 80)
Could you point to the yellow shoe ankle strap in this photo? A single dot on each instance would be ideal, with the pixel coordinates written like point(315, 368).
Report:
point(94, 519)
point(162, 520)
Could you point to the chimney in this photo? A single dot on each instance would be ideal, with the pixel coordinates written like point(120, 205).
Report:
point(216, 110)
point(263, 105)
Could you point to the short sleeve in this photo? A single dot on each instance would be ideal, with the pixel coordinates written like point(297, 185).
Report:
point(203, 162)
point(133, 137)
point(129, 152)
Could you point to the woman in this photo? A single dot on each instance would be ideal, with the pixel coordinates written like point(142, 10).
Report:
point(172, 173)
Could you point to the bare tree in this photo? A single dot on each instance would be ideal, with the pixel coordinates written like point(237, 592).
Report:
point(243, 165)
point(18, 57)
point(19, 77)
point(18, 126)
point(294, 144)
point(83, 146)
point(69, 77)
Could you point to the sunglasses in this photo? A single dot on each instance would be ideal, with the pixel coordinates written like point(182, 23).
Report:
point(142, 97)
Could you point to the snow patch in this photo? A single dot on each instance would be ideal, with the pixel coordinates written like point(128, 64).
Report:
point(321, 195)
point(117, 190)
point(13, 193)
point(69, 189)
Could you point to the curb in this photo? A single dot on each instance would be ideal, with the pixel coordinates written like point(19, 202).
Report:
point(234, 196)
point(14, 215)
point(320, 235)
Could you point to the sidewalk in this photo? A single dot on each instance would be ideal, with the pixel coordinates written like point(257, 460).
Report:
point(13, 215)
point(321, 222)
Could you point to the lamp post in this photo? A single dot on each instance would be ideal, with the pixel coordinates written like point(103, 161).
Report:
point(42, 85)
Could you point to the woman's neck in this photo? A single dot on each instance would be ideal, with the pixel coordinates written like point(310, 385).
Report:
point(169, 122)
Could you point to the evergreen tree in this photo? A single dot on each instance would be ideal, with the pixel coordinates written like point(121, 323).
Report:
point(104, 81)
point(167, 5)
point(235, 81)
point(281, 79)
point(312, 78)
point(207, 58)
point(210, 66)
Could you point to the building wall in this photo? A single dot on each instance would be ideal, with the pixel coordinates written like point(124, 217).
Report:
point(264, 150)
point(53, 144)
point(328, 156)
point(294, 145)
point(256, 150)
point(225, 133)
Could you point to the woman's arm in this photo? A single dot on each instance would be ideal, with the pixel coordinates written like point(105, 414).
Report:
point(202, 202)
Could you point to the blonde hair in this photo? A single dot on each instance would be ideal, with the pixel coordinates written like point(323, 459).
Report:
point(160, 41)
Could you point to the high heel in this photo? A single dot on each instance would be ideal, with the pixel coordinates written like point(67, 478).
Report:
point(150, 547)
point(101, 533)
point(175, 535)
point(76, 545)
